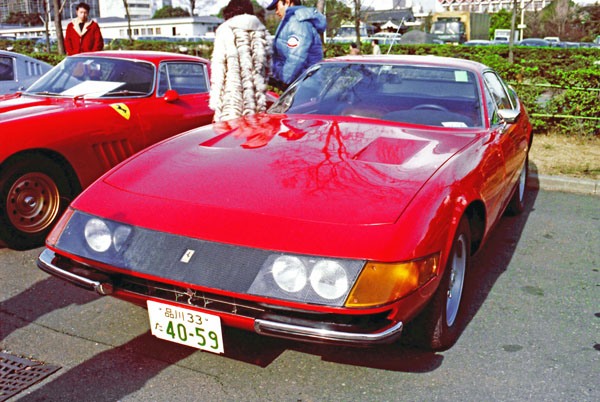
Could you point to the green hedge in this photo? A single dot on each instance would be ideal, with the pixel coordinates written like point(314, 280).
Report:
point(560, 87)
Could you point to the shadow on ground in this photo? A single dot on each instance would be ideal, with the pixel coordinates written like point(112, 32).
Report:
point(122, 370)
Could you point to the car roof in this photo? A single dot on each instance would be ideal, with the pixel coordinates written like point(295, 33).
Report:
point(146, 55)
point(414, 59)
point(21, 56)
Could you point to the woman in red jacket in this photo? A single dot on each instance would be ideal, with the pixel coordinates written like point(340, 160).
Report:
point(83, 35)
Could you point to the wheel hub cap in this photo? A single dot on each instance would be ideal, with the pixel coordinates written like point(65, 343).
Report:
point(33, 202)
point(457, 277)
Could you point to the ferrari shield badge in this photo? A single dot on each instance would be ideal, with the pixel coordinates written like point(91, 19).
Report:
point(122, 109)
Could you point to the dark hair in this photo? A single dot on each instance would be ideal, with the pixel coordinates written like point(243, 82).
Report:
point(376, 41)
point(354, 45)
point(237, 7)
point(83, 5)
point(296, 2)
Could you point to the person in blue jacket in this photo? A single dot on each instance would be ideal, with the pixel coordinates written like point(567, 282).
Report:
point(297, 44)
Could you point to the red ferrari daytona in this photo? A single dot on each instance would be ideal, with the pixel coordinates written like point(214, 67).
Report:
point(352, 207)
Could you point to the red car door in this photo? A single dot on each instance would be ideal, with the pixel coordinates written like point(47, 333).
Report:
point(513, 139)
point(168, 113)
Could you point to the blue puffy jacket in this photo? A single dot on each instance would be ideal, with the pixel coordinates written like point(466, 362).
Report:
point(297, 44)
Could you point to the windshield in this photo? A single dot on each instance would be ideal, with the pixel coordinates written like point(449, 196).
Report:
point(96, 77)
point(447, 27)
point(351, 31)
point(425, 95)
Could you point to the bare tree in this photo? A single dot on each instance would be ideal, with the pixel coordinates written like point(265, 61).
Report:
point(126, 5)
point(45, 17)
point(60, 40)
point(357, 7)
point(516, 9)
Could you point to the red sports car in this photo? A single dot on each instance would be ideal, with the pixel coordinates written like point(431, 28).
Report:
point(349, 209)
point(83, 117)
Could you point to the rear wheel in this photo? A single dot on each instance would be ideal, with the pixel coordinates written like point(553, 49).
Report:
point(517, 202)
point(33, 194)
point(440, 324)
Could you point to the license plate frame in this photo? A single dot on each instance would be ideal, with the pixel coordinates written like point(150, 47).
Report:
point(185, 326)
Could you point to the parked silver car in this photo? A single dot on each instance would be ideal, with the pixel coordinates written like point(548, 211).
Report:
point(18, 71)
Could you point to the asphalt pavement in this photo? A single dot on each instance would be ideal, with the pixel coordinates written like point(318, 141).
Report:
point(533, 333)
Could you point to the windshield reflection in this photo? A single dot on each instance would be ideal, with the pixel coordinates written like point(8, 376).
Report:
point(413, 94)
point(96, 77)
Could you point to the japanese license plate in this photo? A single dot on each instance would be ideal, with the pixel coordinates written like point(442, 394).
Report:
point(186, 326)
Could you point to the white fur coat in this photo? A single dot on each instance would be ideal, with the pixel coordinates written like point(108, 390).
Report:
point(240, 66)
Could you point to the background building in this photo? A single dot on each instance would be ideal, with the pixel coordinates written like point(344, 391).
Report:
point(37, 6)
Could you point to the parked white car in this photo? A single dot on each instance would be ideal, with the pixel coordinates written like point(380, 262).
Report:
point(17, 71)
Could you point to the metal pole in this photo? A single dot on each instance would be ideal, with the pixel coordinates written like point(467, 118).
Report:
point(394, 38)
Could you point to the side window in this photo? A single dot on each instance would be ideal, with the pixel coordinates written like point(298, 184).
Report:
point(163, 80)
point(7, 72)
point(498, 90)
point(183, 77)
point(491, 107)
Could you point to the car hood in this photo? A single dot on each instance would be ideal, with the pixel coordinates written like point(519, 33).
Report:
point(345, 170)
point(18, 107)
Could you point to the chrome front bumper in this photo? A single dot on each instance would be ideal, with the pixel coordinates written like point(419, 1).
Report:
point(45, 263)
point(320, 335)
point(263, 326)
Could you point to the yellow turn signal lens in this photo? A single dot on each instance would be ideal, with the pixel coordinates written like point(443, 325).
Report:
point(383, 282)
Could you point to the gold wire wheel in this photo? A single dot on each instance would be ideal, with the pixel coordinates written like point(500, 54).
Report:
point(33, 202)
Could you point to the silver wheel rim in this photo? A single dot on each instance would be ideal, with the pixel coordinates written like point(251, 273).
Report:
point(457, 278)
point(522, 182)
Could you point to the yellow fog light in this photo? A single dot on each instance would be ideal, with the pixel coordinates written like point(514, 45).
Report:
point(383, 282)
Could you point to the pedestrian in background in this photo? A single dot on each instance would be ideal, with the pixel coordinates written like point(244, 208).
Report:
point(83, 35)
point(240, 63)
point(297, 44)
point(376, 49)
point(354, 50)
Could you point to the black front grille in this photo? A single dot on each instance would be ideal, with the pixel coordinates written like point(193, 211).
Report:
point(146, 288)
point(187, 296)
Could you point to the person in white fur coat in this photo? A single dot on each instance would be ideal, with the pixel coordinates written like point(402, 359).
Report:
point(240, 64)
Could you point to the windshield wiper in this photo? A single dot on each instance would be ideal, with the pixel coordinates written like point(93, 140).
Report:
point(124, 92)
point(43, 93)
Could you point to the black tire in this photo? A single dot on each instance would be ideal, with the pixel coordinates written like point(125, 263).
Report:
point(516, 204)
point(440, 324)
point(34, 192)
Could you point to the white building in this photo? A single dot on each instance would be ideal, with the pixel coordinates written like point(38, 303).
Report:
point(116, 8)
point(491, 6)
point(112, 27)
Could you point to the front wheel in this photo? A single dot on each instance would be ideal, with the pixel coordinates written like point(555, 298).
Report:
point(33, 193)
point(440, 324)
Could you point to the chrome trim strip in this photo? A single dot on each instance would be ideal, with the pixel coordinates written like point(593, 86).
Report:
point(282, 330)
point(44, 262)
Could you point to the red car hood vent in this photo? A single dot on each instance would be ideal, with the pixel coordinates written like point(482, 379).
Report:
point(305, 169)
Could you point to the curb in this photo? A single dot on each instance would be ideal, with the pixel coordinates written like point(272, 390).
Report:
point(564, 184)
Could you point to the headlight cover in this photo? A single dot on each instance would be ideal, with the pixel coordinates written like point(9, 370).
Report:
point(306, 279)
point(95, 238)
point(97, 235)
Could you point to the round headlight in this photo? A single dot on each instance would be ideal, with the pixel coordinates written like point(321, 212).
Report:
point(329, 279)
point(97, 235)
point(120, 236)
point(289, 273)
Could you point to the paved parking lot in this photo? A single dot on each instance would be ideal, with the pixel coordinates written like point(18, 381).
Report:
point(533, 333)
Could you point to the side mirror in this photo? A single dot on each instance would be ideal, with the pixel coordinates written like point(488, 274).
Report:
point(509, 115)
point(171, 96)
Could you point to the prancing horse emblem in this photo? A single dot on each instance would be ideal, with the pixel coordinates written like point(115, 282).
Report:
point(187, 256)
